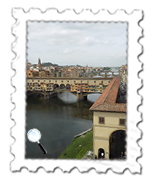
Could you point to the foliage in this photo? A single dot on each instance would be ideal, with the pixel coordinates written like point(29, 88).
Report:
point(106, 68)
point(49, 64)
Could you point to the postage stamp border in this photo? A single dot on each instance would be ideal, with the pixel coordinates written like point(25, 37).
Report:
point(13, 25)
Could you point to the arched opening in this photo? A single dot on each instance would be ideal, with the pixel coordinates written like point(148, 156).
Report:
point(62, 86)
point(56, 86)
point(101, 153)
point(68, 86)
point(117, 142)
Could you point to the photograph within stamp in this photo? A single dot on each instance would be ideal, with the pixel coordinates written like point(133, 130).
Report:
point(76, 90)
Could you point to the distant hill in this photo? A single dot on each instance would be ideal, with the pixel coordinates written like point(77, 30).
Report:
point(75, 65)
point(49, 64)
point(106, 68)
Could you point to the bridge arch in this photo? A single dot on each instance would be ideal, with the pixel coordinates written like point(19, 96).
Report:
point(68, 86)
point(56, 86)
point(62, 86)
point(117, 144)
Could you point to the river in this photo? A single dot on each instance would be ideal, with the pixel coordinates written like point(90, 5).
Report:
point(58, 119)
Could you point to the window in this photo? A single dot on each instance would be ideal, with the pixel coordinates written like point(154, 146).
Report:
point(38, 81)
point(81, 81)
point(101, 81)
point(49, 80)
point(67, 81)
point(61, 81)
point(101, 120)
point(94, 81)
point(74, 81)
point(87, 81)
point(122, 122)
point(109, 81)
point(55, 81)
point(44, 80)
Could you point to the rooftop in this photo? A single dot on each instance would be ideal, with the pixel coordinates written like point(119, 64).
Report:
point(107, 100)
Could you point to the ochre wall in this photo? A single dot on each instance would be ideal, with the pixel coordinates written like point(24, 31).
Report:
point(102, 132)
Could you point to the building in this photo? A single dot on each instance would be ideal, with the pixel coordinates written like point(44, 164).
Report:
point(41, 73)
point(75, 72)
point(37, 86)
point(43, 86)
point(29, 64)
point(50, 86)
point(39, 63)
point(35, 73)
point(123, 74)
point(52, 72)
point(109, 124)
point(80, 87)
point(29, 73)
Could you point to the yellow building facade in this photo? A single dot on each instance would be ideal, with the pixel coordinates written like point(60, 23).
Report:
point(109, 124)
point(103, 131)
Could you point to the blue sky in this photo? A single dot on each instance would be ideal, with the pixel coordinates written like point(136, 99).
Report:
point(70, 43)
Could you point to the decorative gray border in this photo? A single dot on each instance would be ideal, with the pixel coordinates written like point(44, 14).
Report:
point(143, 91)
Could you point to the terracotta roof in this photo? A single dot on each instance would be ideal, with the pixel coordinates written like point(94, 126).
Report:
point(107, 101)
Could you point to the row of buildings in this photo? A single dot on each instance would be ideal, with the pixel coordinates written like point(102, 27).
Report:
point(123, 74)
point(77, 87)
point(55, 71)
point(85, 87)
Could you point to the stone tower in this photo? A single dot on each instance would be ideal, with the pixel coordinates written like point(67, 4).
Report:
point(39, 61)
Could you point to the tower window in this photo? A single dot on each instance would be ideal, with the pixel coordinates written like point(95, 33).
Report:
point(122, 122)
point(101, 120)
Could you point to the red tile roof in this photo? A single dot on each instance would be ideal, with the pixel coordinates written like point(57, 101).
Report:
point(107, 101)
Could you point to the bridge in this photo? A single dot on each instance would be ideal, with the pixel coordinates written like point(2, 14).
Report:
point(102, 73)
point(106, 73)
point(80, 86)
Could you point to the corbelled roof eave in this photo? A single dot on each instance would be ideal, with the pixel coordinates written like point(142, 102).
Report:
point(108, 107)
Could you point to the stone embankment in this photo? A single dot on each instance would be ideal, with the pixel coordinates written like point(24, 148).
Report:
point(83, 133)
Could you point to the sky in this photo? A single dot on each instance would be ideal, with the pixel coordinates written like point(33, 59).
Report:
point(99, 44)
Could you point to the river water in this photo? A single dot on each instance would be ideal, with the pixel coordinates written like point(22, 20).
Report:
point(58, 119)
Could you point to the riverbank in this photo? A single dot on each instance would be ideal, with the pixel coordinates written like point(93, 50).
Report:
point(78, 147)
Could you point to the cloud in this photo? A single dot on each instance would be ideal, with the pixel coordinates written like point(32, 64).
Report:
point(74, 42)
point(67, 51)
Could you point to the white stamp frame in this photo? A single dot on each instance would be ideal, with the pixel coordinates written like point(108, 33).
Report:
point(133, 116)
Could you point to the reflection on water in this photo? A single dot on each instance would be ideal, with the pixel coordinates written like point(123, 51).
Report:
point(67, 97)
point(58, 123)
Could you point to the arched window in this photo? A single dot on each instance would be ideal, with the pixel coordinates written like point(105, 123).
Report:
point(117, 145)
point(101, 153)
